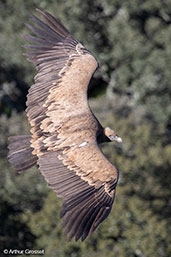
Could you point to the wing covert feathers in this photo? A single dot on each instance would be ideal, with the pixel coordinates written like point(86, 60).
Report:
point(64, 129)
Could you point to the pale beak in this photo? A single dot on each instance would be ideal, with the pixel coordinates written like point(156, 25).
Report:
point(118, 139)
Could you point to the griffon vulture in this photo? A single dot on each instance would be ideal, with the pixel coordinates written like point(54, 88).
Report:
point(64, 132)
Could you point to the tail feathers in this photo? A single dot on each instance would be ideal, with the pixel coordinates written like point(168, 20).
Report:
point(20, 153)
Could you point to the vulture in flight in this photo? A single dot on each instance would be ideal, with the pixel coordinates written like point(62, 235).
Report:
point(64, 132)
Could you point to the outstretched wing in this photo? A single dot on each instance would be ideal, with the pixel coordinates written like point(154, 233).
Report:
point(64, 129)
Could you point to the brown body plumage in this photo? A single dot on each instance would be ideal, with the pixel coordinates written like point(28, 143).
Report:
point(64, 132)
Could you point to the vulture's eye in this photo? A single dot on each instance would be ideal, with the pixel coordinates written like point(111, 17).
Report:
point(111, 137)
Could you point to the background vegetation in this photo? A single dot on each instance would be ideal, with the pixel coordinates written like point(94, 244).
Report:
point(130, 92)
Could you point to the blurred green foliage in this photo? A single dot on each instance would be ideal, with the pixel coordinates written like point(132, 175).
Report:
point(131, 41)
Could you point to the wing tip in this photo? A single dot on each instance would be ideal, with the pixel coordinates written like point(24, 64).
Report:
point(81, 221)
point(43, 13)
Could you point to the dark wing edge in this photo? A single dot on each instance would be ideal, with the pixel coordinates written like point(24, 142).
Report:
point(49, 34)
point(85, 206)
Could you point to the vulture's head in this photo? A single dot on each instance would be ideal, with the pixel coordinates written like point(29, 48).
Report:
point(111, 135)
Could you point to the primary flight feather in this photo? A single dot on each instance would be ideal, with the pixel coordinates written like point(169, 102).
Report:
point(64, 132)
